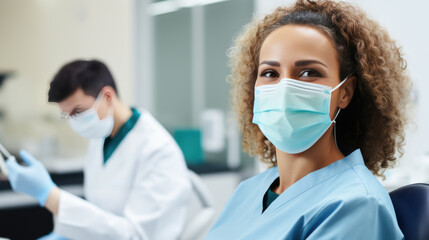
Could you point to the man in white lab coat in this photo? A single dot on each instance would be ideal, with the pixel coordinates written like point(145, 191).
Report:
point(135, 185)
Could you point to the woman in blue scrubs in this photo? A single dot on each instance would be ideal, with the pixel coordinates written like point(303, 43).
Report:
point(321, 93)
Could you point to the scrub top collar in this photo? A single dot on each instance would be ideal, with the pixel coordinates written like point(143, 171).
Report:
point(307, 182)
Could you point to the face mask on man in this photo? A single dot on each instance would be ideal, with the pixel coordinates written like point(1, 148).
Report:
point(293, 114)
point(89, 125)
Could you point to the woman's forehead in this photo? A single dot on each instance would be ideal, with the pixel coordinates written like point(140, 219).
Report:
point(290, 43)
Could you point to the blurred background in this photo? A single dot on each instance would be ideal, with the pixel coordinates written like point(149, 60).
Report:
point(170, 57)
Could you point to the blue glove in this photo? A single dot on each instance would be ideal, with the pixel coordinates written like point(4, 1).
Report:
point(33, 179)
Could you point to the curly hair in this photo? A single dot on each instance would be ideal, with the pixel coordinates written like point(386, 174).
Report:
point(376, 117)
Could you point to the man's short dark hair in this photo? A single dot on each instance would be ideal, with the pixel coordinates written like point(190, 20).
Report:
point(90, 76)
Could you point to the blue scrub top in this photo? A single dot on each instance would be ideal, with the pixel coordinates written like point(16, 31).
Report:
point(340, 201)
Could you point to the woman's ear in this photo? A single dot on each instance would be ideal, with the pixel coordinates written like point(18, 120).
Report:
point(347, 91)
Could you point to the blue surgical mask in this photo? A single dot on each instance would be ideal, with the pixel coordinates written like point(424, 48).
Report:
point(293, 114)
point(89, 125)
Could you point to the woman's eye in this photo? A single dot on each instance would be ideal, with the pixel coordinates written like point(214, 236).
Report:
point(309, 73)
point(269, 74)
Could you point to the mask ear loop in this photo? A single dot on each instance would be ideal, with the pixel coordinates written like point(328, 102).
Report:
point(98, 102)
point(339, 109)
point(335, 127)
point(340, 84)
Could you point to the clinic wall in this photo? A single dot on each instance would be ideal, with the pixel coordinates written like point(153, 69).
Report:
point(38, 37)
point(406, 22)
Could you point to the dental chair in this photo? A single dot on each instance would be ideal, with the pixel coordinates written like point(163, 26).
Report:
point(411, 205)
point(201, 213)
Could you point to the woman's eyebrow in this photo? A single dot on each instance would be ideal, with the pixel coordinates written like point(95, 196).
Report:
point(308, 62)
point(271, 63)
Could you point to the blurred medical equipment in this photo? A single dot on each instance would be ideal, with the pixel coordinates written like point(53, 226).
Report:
point(4, 76)
point(213, 130)
point(234, 149)
point(411, 205)
point(201, 213)
point(3, 168)
point(4, 151)
point(189, 141)
point(4, 154)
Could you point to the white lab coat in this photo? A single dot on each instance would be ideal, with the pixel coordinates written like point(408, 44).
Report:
point(142, 191)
